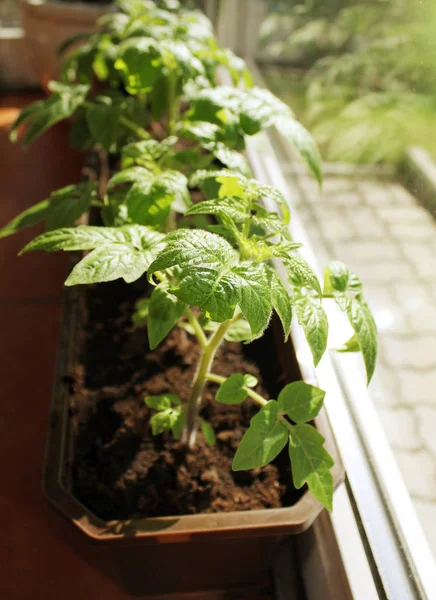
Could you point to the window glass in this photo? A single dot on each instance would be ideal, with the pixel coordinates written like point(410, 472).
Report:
point(361, 76)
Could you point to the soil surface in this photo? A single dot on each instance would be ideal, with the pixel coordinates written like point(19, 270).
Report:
point(120, 470)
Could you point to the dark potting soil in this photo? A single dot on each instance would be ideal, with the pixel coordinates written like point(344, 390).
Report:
point(120, 470)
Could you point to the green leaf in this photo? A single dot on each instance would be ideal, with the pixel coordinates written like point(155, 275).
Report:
point(205, 261)
point(299, 271)
point(232, 159)
point(87, 237)
point(123, 252)
point(139, 317)
point(346, 289)
point(303, 142)
point(103, 122)
point(255, 297)
point(232, 390)
point(69, 204)
point(208, 432)
point(193, 248)
point(239, 332)
point(163, 402)
point(313, 319)
point(146, 152)
point(263, 441)
point(281, 302)
point(352, 345)
point(178, 425)
point(139, 64)
point(339, 279)
point(151, 195)
point(232, 184)
point(27, 218)
point(301, 401)
point(107, 263)
point(43, 114)
point(249, 111)
point(162, 421)
point(311, 463)
point(164, 312)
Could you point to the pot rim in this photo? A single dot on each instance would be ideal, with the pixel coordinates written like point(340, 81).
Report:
point(273, 521)
point(64, 11)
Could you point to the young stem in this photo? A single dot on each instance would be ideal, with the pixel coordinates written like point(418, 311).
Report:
point(193, 321)
point(134, 128)
point(200, 380)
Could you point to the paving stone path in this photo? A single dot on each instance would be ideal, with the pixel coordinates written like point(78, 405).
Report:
point(381, 231)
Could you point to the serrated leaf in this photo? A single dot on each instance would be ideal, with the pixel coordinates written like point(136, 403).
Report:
point(299, 271)
point(69, 204)
point(239, 332)
point(205, 261)
point(151, 195)
point(164, 420)
point(231, 184)
point(249, 111)
point(208, 432)
point(147, 151)
point(346, 289)
point(107, 263)
point(103, 123)
point(43, 114)
point(263, 441)
point(232, 159)
point(200, 131)
point(27, 218)
point(163, 313)
point(139, 63)
point(188, 249)
point(87, 237)
point(255, 297)
point(313, 319)
point(301, 401)
point(339, 278)
point(281, 302)
point(311, 463)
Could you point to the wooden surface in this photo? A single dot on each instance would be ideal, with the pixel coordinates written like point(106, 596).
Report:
point(42, 556)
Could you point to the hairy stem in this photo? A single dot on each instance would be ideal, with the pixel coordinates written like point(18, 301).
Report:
point(193, 321)
point(206, 359)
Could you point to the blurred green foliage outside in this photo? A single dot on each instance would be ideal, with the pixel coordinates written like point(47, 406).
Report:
point(362, 73)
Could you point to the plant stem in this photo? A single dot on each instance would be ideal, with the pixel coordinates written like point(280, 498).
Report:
point(170, 222)
point(134, 128)
point(196, 327)
point(253, 395)
point(200, 380)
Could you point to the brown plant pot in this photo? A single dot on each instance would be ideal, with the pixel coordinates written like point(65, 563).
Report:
point(169, 555)
point(47, 24)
